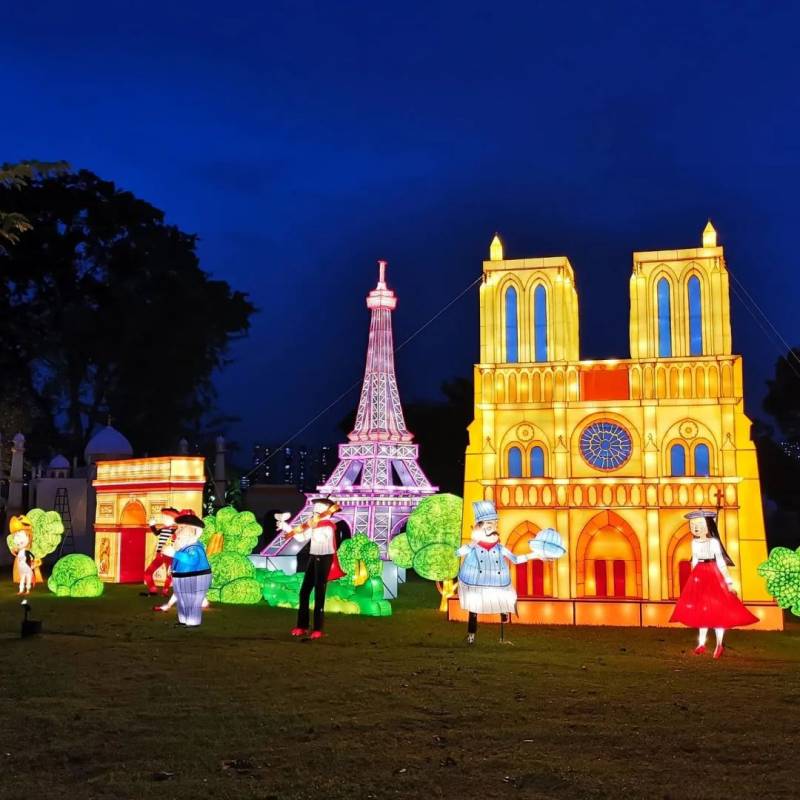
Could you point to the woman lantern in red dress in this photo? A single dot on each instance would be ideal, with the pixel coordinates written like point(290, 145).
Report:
point(708, 600)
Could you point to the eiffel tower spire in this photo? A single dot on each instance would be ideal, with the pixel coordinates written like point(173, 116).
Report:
point(378, 481)
point(380, 415)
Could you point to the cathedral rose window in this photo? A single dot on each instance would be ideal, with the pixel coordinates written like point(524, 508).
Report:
point(606, 445)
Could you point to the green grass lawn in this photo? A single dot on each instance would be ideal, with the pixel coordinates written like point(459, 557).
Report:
point(113, 701)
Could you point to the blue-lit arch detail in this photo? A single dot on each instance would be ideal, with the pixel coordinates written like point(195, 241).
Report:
point(664, 319)
point(677, 461)
point(537, 462)
point(695, 299)
point(514, 462)
point(540, 323)
point(512, 347)
point(702, 461)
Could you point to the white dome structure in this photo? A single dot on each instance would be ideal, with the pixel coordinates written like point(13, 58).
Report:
point(58, 462)
point(108, 444)
point(59, 467)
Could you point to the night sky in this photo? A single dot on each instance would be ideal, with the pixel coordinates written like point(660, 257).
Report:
point(303, 141)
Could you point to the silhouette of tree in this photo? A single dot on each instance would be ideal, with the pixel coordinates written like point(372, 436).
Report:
point(779, 457)
point(104, 309)
point(15, 176)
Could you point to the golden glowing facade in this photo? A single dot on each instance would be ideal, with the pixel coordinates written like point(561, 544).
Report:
point(613, 453)
point(130, 492)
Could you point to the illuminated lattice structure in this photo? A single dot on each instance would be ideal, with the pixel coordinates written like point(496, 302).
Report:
point(378, 481)
point(613, 454)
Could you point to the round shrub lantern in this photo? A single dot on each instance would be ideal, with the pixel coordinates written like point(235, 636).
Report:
point(229, 537)
point(428, 546)
point(75, 575)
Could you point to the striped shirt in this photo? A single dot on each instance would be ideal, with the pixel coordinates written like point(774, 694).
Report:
point(483, 567)
point(164, 536)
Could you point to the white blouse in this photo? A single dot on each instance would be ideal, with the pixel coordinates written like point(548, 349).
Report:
point(705, 550)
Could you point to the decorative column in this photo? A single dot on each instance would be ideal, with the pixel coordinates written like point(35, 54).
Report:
point(220, 479)
point(15, 483)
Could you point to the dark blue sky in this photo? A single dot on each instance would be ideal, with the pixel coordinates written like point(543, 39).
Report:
point(302, 141)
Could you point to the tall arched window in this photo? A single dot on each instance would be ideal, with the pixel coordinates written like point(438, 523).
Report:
point(511, 326)
point(695, 317)
point(664, 319)
point(537, 462)
point(515, 463)
point(702, 461)
point(677, 460)
point(540, 323)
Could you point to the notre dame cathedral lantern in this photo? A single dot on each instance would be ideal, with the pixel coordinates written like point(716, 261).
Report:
point(614, 453)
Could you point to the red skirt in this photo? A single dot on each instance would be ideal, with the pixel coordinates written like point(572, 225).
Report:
point(707, 602)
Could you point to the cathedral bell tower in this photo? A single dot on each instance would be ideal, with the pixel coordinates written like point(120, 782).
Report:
point(680, 304)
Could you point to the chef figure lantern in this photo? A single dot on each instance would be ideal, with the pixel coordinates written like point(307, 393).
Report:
point(484, 580)
point(708, 599)
point(191, 572)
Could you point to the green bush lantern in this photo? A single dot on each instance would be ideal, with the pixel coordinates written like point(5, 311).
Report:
point(229, 537)
point(782, 574)
point(360, 591)
point(75, 575)
point(432, 535)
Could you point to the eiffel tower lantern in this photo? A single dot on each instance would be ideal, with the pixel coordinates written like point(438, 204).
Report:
point(377, 481)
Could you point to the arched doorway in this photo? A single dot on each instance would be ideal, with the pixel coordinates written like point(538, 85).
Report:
point(679, 560)
point(608, 559)
point(534, 578)
point(133, 542)
point(133, 514)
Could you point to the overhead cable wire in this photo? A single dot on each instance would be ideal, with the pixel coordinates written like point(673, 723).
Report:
point(357, 383)
point(783, 349)
point(776, 332)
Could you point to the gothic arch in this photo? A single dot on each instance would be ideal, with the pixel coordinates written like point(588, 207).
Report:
point(712, 464)
point(693, 270)
point(537, 436)
point(520, 535)
point(679, 549)
point(488, 387)
point(511, 281)
point(700, 382)
point(133, 514)
point(533, 287)
point(534, 578)
point(663, 272)
point(688, 389)
point(701, 434)
point(517, 450)
point(670, 459)
point(536, 387)
point(545, 453)
point(512, 388)
point(524, 387)
point(608, 522)
point(661, 382)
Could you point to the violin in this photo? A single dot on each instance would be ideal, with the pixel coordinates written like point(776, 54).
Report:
point(311, 522)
